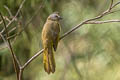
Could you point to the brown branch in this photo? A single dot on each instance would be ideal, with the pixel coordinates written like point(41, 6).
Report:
point(20, 74)
point(29, 21)
point(14, 58)
point(111, 5)
point(16, 62)
point(17, 66)
point(88, 21)
point(92, 19)
point(28, 62)
point(115, 4)
point(15, 17)
point(3, 39)
point(32, 58)
point(101, 22)
point(78, 26)
point(5, 46)
point(10, 13)
point(6, 18)
point(1, 22)
point(113, 11)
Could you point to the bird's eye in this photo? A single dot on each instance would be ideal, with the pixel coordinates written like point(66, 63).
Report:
point(56, 16)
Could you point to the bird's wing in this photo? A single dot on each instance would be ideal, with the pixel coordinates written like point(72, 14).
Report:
point(55, 42)
point(56, 36)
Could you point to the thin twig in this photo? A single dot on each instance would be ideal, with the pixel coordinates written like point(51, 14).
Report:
point(115, 4)
point(15, 60)
point(20, 74)
point(113, 11)
point(78, 26)
point(32, 58)
point(101, 22)
point(10, 13)
point(3, 39)
point(111, 5)
point(88, 21)
point(1, 22)
point(15, 17)
point(6, 18)
point(29, 21)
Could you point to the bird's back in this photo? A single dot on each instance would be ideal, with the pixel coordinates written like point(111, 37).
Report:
point(50, 29)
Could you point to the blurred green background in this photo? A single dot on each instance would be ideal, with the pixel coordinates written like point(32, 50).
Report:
point(92, 52)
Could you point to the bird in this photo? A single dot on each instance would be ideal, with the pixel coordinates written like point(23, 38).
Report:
point(50, 38)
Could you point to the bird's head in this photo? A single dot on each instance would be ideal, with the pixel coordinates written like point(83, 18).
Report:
point(54, 16)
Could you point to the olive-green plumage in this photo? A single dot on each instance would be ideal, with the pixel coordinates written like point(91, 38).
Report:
point(50, 38)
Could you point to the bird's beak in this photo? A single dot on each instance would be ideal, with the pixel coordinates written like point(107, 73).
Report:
point(60, 18)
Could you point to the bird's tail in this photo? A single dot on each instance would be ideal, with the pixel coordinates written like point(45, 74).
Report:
point(48, 60)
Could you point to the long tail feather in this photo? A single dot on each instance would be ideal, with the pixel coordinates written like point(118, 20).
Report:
point(52, 62)
point(48, 60)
